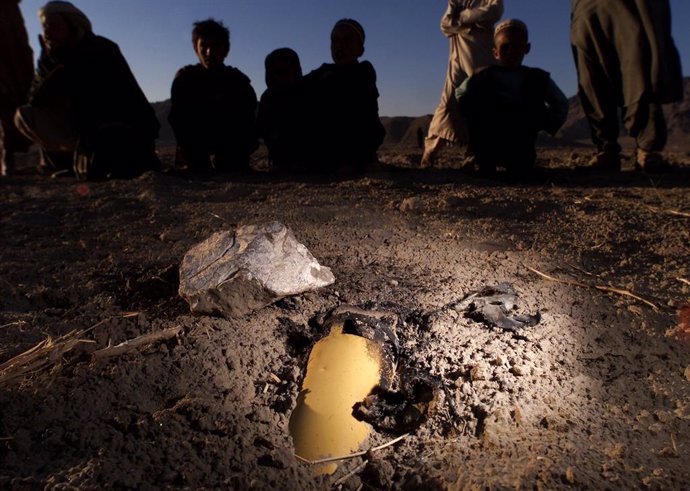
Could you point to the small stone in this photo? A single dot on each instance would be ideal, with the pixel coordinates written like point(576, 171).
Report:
point(506, 386)
point(687, 373)
point(656, 428)
point(173, 235)
point(663, 416)
point(295, 374)
point(616, 451)
point(570, 475)
point(478, 372)
point(393, 283)
point(517, 370)
point(517, 416)
point(410, 204)
point(497, 361)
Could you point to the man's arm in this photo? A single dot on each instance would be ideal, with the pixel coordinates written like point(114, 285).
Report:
point(487, 14)
point(459, 18)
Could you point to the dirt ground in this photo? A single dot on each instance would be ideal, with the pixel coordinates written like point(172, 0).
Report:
point(597, 395)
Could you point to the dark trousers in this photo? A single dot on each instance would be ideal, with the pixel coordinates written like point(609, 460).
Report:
point(601, 100)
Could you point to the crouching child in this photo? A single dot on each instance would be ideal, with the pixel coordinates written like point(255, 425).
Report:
point(507, 104)
point(342, 106)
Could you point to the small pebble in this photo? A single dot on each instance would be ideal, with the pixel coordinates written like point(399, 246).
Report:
point(570, 475)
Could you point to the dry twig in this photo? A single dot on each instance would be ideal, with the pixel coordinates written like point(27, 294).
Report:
point(669, 212)
point(18, 323)
point(353, 455)
point(132, 344)
point(603, 288)
point(44, 354)
point(48, 352)
point(683, 280)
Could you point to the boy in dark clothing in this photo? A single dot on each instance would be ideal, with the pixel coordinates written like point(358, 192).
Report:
point(343, 112)
point(280, 109)
point(213, 106)
point(86, 110)
point(506, 105)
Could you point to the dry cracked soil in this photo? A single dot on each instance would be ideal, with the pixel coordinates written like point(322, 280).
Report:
point(595, 396)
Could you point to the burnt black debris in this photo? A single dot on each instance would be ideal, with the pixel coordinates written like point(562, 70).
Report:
point(405, 396)
point(492, 305)
point(402, 410)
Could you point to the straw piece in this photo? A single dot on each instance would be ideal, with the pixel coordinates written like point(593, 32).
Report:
point(133, 344)
point(352, 455)
point(603, 288)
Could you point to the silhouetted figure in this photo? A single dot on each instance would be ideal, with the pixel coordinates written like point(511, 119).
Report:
point(86, 110)
point(280, 109)
point(213, 106)
point(16, 72)
point(507, 104)
point(468, 24)
point(626, 58)
point(342, 106)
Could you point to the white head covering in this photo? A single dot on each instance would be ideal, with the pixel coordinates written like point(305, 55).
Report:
point(73, 15)
point(511, 24)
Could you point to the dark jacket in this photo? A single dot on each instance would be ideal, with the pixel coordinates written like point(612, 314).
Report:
point(213, 109)
point(280, 124)
point(342, 108)
point(97, 83)
point(505, 109)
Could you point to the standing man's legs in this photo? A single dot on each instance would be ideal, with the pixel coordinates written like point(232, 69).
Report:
point(653, 133)
point(446, 124)
point(599, 77)
point(599, 101)
point(442, 128)
point(646, 123)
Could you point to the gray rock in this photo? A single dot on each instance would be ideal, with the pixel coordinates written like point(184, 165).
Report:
point(233, 273)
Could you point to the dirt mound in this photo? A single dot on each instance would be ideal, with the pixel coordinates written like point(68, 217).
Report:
point(594, 395)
